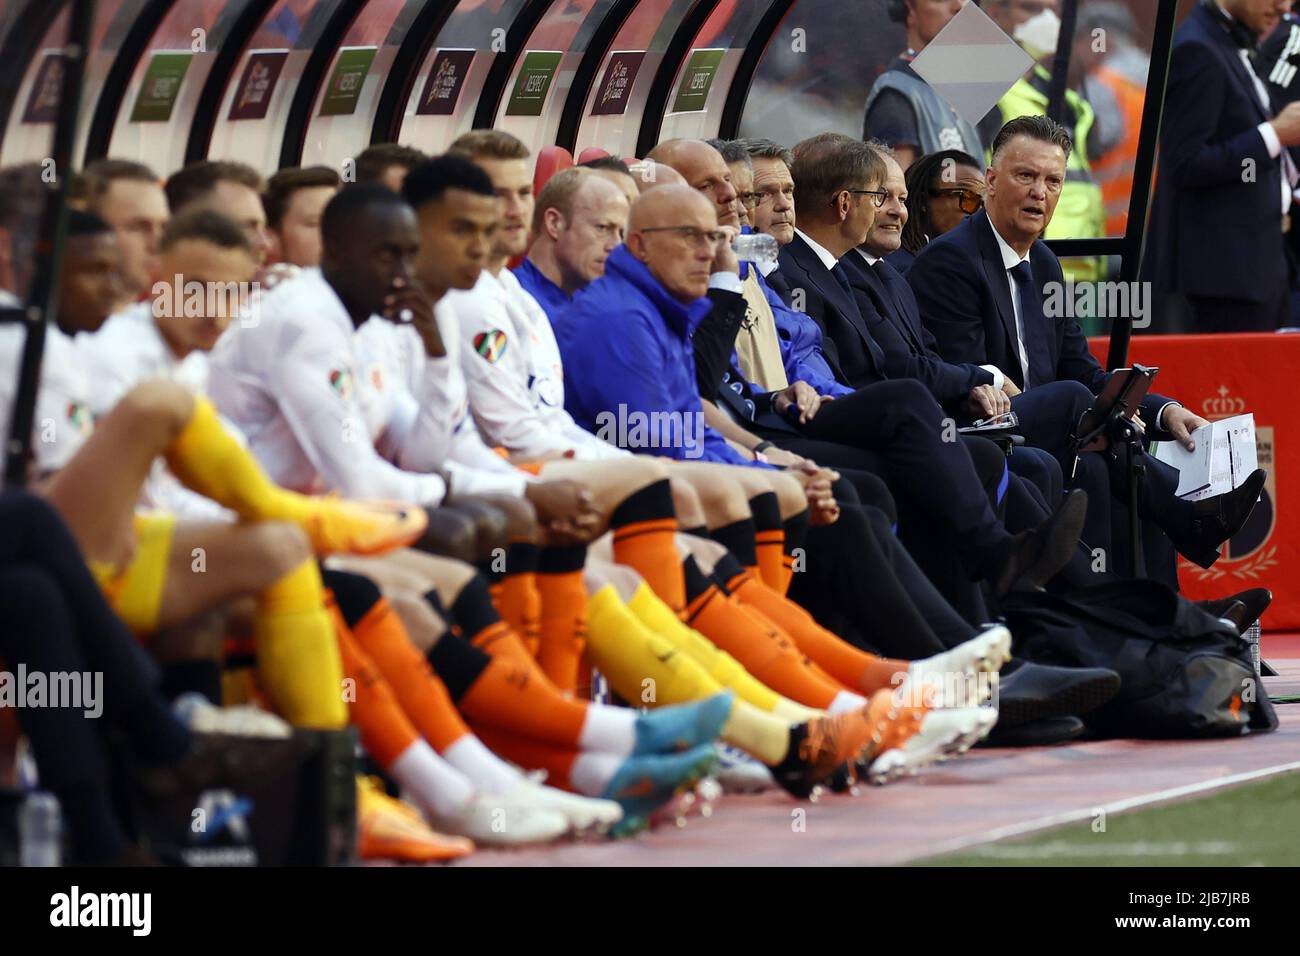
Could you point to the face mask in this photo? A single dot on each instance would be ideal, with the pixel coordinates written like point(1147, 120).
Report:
point(1038, 34)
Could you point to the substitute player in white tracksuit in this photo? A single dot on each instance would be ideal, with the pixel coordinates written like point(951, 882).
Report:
point(319, 415)
point(509, 355)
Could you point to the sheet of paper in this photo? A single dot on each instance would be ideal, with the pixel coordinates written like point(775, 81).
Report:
point(1223, 458)
point(1193, 466)
point(1233, 456)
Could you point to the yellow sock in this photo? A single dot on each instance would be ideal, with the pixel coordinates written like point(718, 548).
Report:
point(642, 667)
point(721, 666)
point(636, 660)
point(208, 459)
point(763, 736)
point(298, 662)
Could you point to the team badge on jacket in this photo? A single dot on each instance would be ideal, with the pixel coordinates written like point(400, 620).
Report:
point(490, 345)
point(341, 382)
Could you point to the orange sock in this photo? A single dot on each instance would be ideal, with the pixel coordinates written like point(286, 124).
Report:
point(769, 538)
point(513, 694)
point(385, 729)
point(644, 527)
point(761, 648)
point(564, 614)
point(517, 598)
point(769, 546)
point(530, 754)
point(851, 667)
point(422, 696)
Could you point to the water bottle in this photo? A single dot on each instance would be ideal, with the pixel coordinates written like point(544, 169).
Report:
point(1252, 638)
point(40, 827)
point(758, 248)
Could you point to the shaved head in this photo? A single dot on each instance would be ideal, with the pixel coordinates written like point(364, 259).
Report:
point(650, 174)
point(674, 232)
point(704, 170)
point(665, 205)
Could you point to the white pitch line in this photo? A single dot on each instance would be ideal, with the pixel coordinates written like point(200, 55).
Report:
point(1118, 806)
point(1060, 848)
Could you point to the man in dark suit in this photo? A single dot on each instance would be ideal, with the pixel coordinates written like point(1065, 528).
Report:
point(966, 391)
point(1225, 183)
point(982, 290)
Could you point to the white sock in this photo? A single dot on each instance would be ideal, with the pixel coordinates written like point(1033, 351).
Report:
point(485, 769)
point(609, 730)
point(591, 773)
point(844, 701)
point(433, 784)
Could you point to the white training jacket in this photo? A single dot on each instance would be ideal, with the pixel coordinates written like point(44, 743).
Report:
point(512, 362)
point(395, 353)
point(63, 418)
point(290, 379)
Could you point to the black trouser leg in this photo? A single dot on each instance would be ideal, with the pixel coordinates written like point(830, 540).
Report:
point(900, 421)
point(35, 535)
point(849, 570)
point(37, 636)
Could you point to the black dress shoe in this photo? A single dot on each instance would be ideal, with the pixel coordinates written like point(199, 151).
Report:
point(1215, 520)
point(1243, 608)
point(1037, 556)
point(1036, 733)
point(1037, 691)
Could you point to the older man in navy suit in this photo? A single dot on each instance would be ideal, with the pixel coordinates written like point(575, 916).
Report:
point(1226, 180)
point(982, 290)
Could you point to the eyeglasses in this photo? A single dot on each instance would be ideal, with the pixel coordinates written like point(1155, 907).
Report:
point(968, 200)
point(750, 200)
point(878, 196)
point(692, 235)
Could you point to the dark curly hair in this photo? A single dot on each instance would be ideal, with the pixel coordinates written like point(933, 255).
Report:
point(921, 176)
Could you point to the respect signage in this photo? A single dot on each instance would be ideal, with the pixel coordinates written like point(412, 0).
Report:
point(161, 87)
point(344, 89)
point(533, 82)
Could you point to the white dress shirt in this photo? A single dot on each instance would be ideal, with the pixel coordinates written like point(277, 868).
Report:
point(1266, 130)
point(824, 254)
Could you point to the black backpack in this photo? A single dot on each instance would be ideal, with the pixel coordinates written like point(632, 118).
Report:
point(1185, 673)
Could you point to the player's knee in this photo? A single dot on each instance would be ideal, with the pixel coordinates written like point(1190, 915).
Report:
point(491, 526)
point(723, 500)
point(789, 493)
point(451, 535)
point(520, 518)
point(686, 503)
point(158, 403)
point(279, 547)
point(639, 471)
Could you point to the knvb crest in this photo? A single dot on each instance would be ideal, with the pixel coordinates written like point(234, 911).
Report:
point(1250, 553)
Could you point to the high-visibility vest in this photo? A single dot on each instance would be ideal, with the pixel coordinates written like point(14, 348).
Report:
point(1114, 168)
point(1079, 213)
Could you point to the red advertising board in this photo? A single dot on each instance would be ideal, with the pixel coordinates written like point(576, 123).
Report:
point(1218, 376)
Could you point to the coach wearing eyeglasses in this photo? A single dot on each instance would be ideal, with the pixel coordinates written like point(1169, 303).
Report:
point(838, 188)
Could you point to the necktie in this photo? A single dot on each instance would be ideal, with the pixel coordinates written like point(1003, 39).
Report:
point(1029, 323)
point(843, 280)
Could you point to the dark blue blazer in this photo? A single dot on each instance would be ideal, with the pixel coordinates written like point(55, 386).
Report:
point(908, 345)
point(1215, 229)
point(901, 260)
point(965, 300)
point(847, 343)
